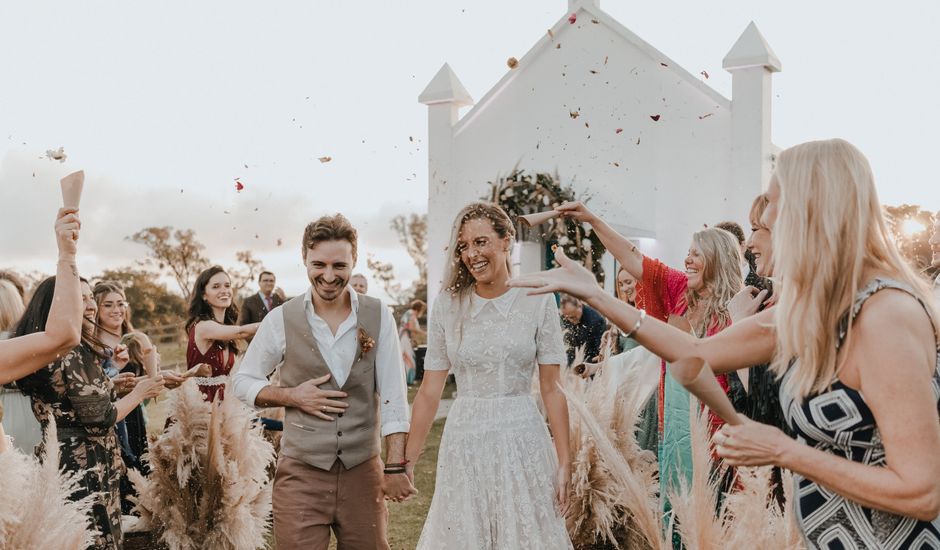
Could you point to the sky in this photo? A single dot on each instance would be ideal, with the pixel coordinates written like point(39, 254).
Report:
point(165, 104)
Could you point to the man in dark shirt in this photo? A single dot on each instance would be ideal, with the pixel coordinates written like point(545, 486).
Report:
point(583, 327)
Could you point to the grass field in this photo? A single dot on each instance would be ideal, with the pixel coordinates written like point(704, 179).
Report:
point(405, 519)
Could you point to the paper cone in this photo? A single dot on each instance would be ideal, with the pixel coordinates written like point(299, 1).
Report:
point(531, 220)
point(72, 189)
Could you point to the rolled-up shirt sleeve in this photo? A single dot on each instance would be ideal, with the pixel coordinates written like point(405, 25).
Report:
point(264, 353)
point(390, 379)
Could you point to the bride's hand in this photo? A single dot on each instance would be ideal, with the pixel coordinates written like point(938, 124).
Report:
point(562, 485)
point(571, 278)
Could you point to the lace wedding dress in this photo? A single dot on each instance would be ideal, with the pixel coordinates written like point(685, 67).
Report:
point(496, 465)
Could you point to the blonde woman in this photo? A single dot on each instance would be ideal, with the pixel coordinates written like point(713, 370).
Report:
point(17, 416)
point(500, 484)
point(855, 337)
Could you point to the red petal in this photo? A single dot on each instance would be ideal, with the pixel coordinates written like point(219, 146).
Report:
point(618, 130)
point(655, 118)
point(573, 18)
point(239, 186)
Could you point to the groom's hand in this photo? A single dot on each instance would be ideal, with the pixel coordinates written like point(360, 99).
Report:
point(397, 487)
point(309, 398)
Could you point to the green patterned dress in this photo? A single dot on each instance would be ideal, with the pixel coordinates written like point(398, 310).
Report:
point(79, 396)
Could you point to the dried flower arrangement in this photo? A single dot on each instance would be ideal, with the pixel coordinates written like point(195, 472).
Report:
point(209, 485)
point(35, 510)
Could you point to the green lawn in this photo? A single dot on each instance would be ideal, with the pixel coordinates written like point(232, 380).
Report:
point(405, 519)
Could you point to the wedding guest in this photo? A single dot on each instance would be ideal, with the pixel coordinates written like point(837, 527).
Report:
point(75, 392)
point(21, 356)
point(406, 331)
point(257, 306)
point(18, 421)
point(212, 330)
point(582, 326)
point(501, 483)
point(359, 283)
point(854, 335)
point(695, 299)
point(343, 388)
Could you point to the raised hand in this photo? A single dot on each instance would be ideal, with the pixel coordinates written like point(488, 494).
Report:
point(309, 398)
point(750, 443)
point(148, 387)
point(571, 278)
point(124, 383)
point(67, 226)
point(576, 210)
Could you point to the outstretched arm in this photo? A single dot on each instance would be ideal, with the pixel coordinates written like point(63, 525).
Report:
point(627, 254)
point(743, 345)
point(213, 330)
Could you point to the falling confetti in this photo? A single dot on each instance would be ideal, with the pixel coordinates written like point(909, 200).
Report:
point(593, 71)
point(573, 18)
point(325, 159)
point(705, 116)
point(705, 74)
point(246, 166)
point(605, 59)
point(618, 130)
point(558, 47)
point(617, 164)
point(512, 62)
point(663, 64)
point(551, 34)
point(595, 21)
point(238, 186)
point(411, 139)
point(655, 118)
point(637, 141)
point(58, 154)
point(574, 114)
point(279, 242)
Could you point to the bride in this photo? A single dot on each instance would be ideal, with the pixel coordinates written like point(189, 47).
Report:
point(500, 484)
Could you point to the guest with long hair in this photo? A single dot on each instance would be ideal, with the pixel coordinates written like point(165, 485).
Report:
point(18, 421)
point(21, 356)
point(695, 299)
point(78, 396)
point(854, 336)
point(408, 328)
point(213, 331)
point(500, 483)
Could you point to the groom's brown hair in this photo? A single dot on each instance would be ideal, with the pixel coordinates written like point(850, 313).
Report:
point(330, 228)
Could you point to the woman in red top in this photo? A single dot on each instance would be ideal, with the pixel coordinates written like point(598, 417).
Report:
point(212, 330)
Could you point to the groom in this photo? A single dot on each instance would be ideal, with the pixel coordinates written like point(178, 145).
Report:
point(342, 368)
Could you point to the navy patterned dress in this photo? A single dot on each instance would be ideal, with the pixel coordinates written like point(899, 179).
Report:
point(839, 422)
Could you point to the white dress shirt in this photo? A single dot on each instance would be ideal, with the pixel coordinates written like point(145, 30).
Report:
point(339, 351)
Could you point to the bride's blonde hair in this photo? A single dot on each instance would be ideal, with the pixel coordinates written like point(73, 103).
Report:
point(829, 228)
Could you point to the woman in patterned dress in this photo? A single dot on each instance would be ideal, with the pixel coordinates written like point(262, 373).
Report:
point(501, 483)
point(854, 335)
point(212, 330)
point(75, 392)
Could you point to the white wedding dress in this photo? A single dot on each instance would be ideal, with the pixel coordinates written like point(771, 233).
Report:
point(496, 465)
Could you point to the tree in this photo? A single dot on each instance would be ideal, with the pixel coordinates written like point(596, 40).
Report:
point(412, 233)
point(384, 273)
point(911, 227)
point(152, 304)
point(174, 251)
point(243, 275)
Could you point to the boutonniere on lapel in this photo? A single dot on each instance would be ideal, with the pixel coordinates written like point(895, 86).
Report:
point(366, 343)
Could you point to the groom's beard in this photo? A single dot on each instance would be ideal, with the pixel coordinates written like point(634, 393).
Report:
point(329, 291)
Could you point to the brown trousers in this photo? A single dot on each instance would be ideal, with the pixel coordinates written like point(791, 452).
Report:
point(308, 502)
